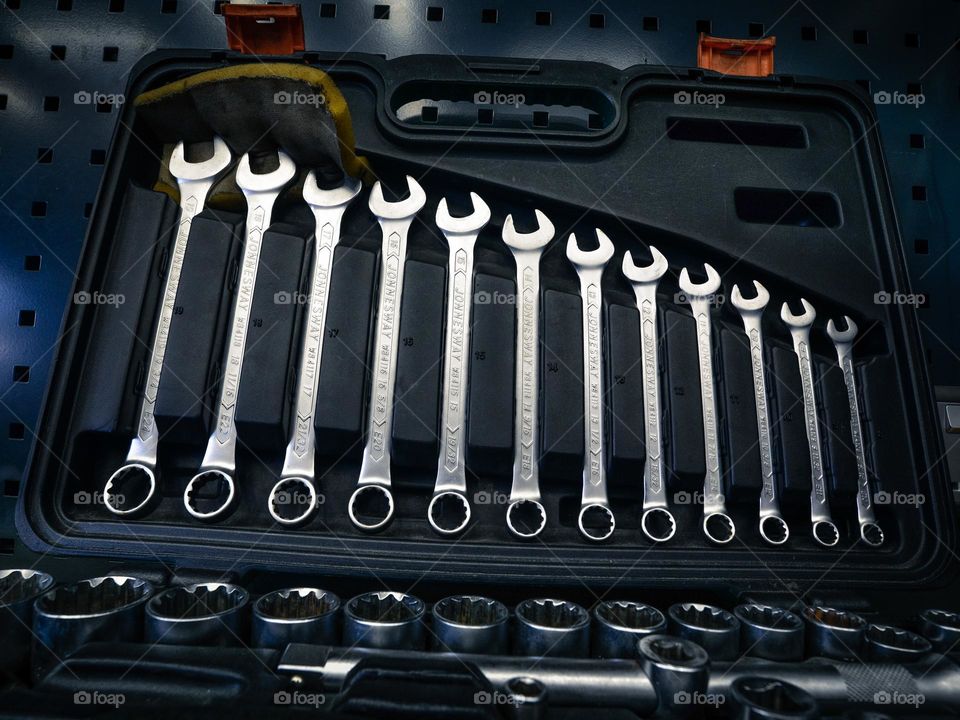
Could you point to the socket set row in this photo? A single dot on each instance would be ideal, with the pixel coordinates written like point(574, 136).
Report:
point(133, 488)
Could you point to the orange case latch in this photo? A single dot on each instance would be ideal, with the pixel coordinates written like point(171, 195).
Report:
point(730, 56)
point(264, 29)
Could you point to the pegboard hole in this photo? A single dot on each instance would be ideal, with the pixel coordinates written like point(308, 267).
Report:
point(64, 5)
point(541, 119)
point(12, 4)
point(598, 21)
point(914, 88)
point(917, 141)
point(861, 37)
point(489, 16)
point(755, 29)
point(11, 488)
point(921, 246)
point(651, 24)
point(543, 17)
point(21, 373)
point(27, 318)
point(911, 40)
point(16, 431)
point(58, 52)
point(168, 7)
point(111, 53)
point(44, 156)
point(3, 102)
point(381, 12)
point(38, 208)
point(434, 14)
point(116, 6)
point(6, 52)
point(484, 116)
point(98, 157)
point(704, 26)
point(32, 263)
point(328, 10)
point(919, 193)
point(51, 103)
point(808, 33)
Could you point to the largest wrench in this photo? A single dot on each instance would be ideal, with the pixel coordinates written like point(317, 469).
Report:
point(526, 516)
point(717, 525)
point(824, 531)
point(449, 510)
point(220, 459)
point(596, 520)
point(870, 531)
point(138, 473)
point(371, 505)
point(296, 483)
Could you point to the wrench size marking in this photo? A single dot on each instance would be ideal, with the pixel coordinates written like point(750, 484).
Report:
point(810, 415)
point(594, 380)
point(712, 479)
point(456, 361)
point(651, 400)
point(528, 372)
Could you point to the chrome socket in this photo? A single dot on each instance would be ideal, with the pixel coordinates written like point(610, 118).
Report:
point(202, 614)
point(763, 698)
point(103, 608)
point(832, 633)
point(714, 629)
point(18, 591)
point(302, 615)
point(471, 624)
point(384, 620)
point(618, 624)
point(769, 632)
point(678, 669)
point(885, 643)
point(556, 628)
point(941, 628)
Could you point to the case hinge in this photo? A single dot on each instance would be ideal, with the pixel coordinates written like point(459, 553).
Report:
point(730, 56)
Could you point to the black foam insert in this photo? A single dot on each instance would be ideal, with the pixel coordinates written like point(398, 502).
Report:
point(561, 386)
point(686, 454)
point(788, 425)
point(624, 396)
point(737, 397)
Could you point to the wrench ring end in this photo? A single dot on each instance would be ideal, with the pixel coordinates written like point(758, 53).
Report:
point(449, 512)
point(284, 496)
point(596, 531)
point(658, 524)
point(195, 484)
point(116, 502)
point(719, 528)
point(366, 494)
point(826, 533)
point(871, 533)
point(526, 518)
point(774, 529)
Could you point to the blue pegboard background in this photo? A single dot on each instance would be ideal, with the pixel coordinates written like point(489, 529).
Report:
point(52, 147)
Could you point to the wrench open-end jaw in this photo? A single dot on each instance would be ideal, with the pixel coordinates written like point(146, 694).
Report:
point(773, 528)
point(132, 488)
point(596, 520)
point(371, 506)
point(526, 516)
point(870, 531)
point(657, 522)
point(449, 510)
point(825, 531)
point(717, 524)
point(293, 498)
point(211, 492)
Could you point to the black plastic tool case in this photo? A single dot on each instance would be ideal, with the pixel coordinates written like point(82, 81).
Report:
point(651, 155)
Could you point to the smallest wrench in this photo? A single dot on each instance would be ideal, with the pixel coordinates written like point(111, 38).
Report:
point(870, 531)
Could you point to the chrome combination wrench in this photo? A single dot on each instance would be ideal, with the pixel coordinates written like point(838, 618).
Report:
point(219, 462)
point(371, 506)
point(870, 531)
point(526, 516)
point(449, 510)
point(133, 486)
point(773, 528)
point(294, 497)
point(596, 520)
point(717, 524)
point(657, 522)
point(824, 530)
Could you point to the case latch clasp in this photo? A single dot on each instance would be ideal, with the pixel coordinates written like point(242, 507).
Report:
point(264, 29)
point(731, 56)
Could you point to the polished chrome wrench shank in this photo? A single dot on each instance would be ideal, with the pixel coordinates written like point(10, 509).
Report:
point(526, 516)
point(294, 497)
point(219, 462)
point(773, 528)
point(596, 520)
point(657, 522)
point(824, 530)
point(371, 505)
point(870, 531)
point(449, 510)
point(717, 524)
point(138, 474)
